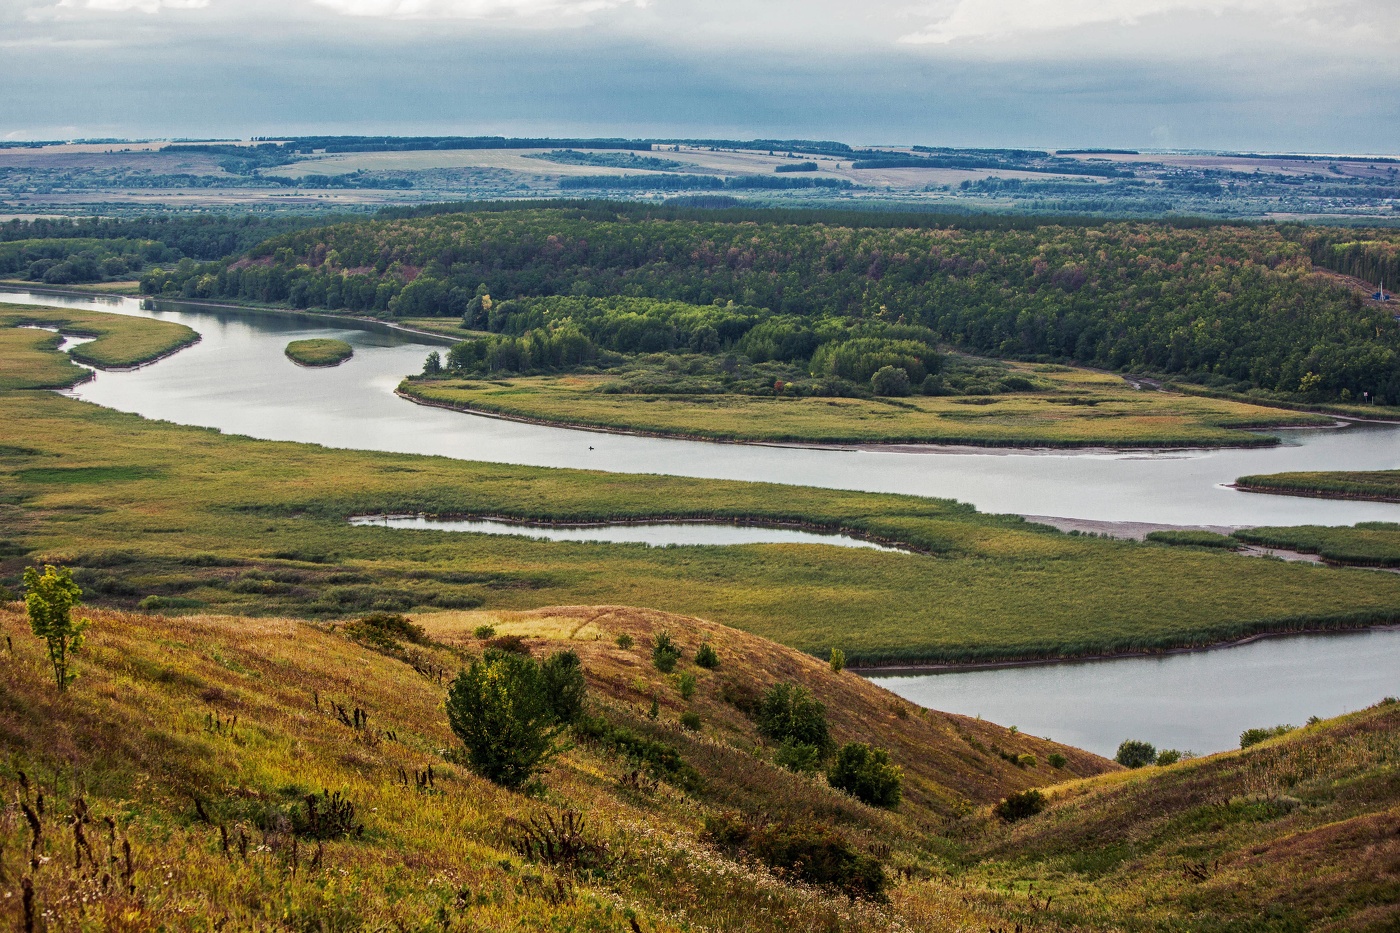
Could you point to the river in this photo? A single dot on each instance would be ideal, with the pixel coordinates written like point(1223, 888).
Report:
point(237, 379)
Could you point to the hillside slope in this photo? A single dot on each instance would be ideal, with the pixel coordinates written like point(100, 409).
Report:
point(201, 738)
point(1298, 833)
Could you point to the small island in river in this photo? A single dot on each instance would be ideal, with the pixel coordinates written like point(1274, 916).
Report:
point(319, 352)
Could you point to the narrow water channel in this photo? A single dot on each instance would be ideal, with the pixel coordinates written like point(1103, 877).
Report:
point(652, 534)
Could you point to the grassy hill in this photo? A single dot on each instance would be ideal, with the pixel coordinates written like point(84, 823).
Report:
point(189, 732)
point(1298, 833)
point(170, 786)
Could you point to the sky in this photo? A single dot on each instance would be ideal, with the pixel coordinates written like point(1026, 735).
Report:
point(1274, 75)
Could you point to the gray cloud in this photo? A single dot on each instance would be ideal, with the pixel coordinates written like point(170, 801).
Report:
point(1189, 73)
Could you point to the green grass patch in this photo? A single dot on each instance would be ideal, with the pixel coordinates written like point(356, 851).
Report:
point(319, 352)
point(1066, 408)
point(28, 360)
point(1366, 544)
point(1194, 539)
point(1376, 485)
point(69, 476)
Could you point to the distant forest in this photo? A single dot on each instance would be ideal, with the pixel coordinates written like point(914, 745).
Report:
point(1234, 307)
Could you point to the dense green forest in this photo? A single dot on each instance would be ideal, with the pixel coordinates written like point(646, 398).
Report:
point(1233, 307)
point(80, 259)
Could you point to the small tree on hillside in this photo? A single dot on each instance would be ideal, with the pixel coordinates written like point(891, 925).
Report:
point(789, 713)
point(500, 708)
point(866, 774)
point(50, 599)
point(1135, 754)
point(564, 685)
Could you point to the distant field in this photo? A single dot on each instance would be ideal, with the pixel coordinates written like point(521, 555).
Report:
point(1085, 409)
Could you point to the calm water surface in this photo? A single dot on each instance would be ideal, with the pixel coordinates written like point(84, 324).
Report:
point(1199, 701)
point(652, 534)
point(238, 380)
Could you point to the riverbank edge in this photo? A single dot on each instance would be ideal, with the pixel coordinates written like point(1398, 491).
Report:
point(77, 356)
point(853, 444)
point(916, 669)
point(436, 339)
point(1310, 493)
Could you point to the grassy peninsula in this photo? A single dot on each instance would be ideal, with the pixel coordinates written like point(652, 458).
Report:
point(1067, 407)
point(1375, 485)
point(319, 352)
point(28, 360)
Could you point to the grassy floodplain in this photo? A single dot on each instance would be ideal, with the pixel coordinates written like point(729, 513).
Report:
point(28, 360)
point(319, 352)
point(1082, 409)
point(177, 517)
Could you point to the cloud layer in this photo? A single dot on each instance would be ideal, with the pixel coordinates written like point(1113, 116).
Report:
point(1283, 74)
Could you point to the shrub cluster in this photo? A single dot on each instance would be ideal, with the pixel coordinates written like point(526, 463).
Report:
point(808, 851)
point(508, 710)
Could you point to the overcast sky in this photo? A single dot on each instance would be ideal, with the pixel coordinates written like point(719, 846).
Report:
point(1317, 75)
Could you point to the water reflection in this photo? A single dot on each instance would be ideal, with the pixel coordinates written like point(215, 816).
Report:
point(1199, 701)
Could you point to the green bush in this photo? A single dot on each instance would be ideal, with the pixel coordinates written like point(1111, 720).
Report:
point(564, 684)
point(1135, 754)
point(838, 660)
point(1019, 806)
point(706, 657)
point(798, 756)
point(685, 685)
point(1168, 756)
point(788, 711)
point(664, 652)
point(484, 632)
point(1254, 736)
point(811, 852)
point(500, 708)
point(386, 631)
point(690, 720)
point(659, 759)
point(866, 774)
point(624, 641)
point(890, 381)
point(1057, 760)
point(1026, 760)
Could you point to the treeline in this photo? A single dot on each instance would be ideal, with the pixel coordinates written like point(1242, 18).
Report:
point(71, 261)
point(670, 182)
point(557, 333)
point(1234, 307)
point(202, 237)
point(609, 159)
point(1370, 255)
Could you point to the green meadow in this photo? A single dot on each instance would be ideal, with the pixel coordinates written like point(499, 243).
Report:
point(1076, 408)
point(27, 355)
